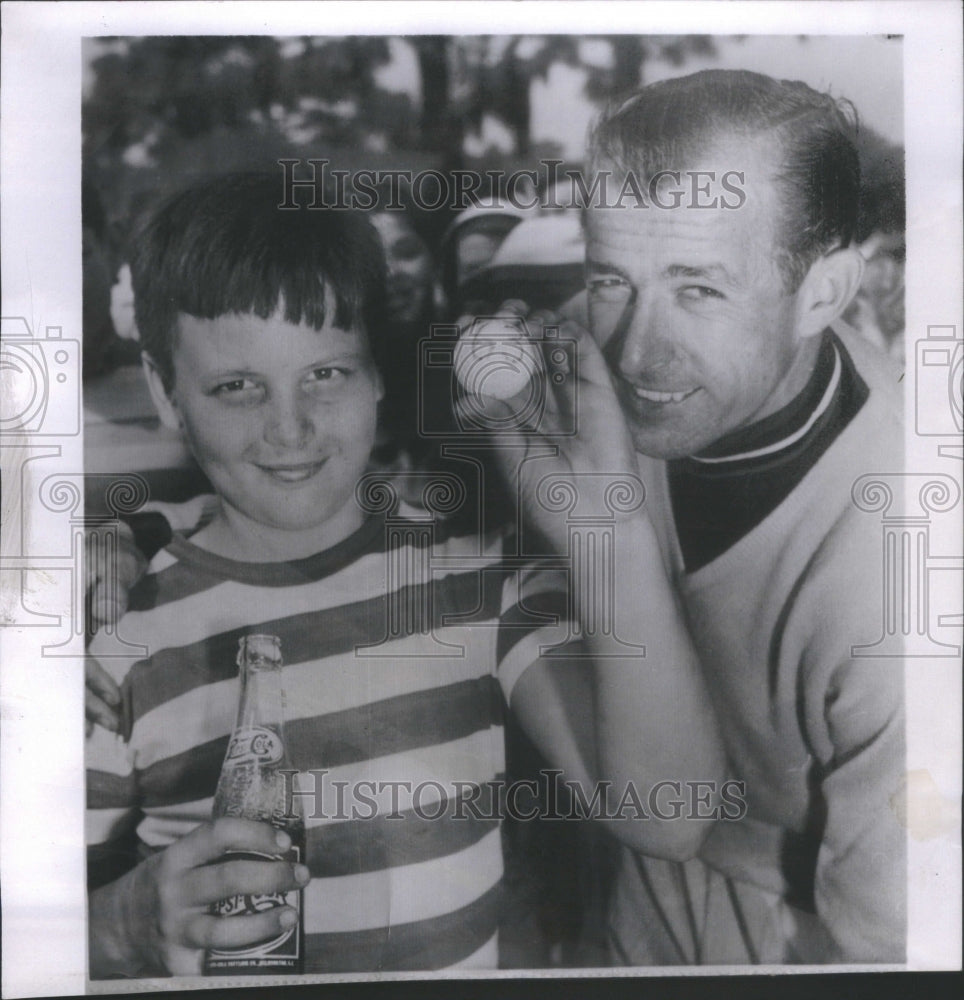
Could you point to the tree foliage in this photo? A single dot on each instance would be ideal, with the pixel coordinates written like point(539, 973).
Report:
point(150, 96)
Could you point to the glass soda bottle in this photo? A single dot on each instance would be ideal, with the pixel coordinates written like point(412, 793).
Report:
point(255, 784)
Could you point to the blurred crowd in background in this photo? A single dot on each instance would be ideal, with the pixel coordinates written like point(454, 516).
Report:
point(159, 112)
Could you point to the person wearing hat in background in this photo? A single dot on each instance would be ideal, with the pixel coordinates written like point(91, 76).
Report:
point(471, 241)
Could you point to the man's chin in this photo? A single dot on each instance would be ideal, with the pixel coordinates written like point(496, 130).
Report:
point(666, 446)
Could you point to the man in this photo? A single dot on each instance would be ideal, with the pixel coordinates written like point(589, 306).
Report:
point(753, 420)
point(718, 256)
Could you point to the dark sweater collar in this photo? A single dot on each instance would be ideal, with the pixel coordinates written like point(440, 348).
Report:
point(788, 424)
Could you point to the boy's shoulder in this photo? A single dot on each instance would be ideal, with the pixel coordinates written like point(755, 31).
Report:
point(448, 536)
point(172, 575)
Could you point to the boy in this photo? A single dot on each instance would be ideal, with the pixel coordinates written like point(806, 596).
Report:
point(261, 332)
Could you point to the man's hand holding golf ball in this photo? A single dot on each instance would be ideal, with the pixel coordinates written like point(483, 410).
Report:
point(539, 383)
point(561, 422)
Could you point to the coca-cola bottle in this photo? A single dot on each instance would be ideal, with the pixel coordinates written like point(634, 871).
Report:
point(255, 783)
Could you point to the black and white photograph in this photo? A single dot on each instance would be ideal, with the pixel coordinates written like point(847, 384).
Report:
point(481, 495)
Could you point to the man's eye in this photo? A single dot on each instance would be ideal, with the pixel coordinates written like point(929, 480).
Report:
point(700, 293)
point(612, 288)
point(234, 386)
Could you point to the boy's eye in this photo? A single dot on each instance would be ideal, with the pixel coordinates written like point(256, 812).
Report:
point(326, 374)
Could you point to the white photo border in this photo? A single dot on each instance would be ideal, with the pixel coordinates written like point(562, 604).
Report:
point(42, 860)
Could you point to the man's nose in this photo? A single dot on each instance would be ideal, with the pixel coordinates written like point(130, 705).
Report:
point(289, 422)
point(642, 341)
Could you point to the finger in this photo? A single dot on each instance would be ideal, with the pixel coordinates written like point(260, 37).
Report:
point(513, 307)
point(105, 609)
point(544, 317)
point(509, 309)
point(109, 580)
point(557, 373)
point(206, 931)
point(131, 564)
point(210, 840)
point(95, 711)
point(502, 418)
point(181, 961)
point(100, 682)
point(245, 877)
point(592, 366)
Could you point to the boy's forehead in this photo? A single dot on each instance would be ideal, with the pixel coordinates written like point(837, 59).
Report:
point(273, 337)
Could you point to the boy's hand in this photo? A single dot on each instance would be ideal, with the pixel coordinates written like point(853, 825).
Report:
point(170, 894)
point(101, 697)
point(107, 596)
point(108, 593)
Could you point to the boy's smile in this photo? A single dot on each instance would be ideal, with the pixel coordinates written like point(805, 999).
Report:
point(281, 418)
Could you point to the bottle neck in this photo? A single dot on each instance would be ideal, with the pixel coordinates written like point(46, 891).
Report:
point(262, 696)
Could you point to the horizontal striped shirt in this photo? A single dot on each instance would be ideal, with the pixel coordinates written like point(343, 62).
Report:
point(400, 645)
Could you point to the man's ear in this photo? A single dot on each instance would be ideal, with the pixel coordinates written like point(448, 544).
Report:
point(165, 406)
point(829, 287)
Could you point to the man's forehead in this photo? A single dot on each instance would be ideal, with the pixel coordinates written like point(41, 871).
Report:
point(699, 232)
point(728, 170)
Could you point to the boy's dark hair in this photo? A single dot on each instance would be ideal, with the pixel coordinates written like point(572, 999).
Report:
point(223, 246)
point(666, 125)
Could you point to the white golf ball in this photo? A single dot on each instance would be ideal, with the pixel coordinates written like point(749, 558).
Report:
point(496, 359)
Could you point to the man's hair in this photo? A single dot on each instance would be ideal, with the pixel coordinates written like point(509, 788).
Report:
point(223, 246)
point(666, 125)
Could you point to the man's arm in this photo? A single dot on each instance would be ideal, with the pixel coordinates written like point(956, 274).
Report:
point(633, 719)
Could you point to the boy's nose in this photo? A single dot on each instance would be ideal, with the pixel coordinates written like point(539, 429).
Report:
point(289, 424)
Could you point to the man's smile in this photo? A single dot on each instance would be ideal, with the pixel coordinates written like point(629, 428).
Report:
point(294, 472)
point(661, 397)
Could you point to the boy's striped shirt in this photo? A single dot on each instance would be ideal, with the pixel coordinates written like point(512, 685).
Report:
point(394, 657)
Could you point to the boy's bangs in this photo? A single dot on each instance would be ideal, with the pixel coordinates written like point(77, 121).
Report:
point(228, 247)
point(291, 257)
point(307, 295)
